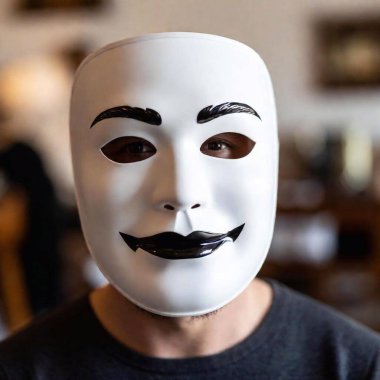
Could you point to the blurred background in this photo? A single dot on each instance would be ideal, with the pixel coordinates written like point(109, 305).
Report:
point(324, 58)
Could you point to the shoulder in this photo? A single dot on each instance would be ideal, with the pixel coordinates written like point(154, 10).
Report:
point(312, 313)
point(52, 325)
point(318, 331)
point(48, 335)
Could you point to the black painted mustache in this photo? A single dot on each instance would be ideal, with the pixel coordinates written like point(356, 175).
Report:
point(173, 246)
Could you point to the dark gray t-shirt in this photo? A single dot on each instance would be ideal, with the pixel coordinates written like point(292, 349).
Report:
point(299, 339)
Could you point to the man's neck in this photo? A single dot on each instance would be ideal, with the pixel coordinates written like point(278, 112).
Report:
point(167, 337)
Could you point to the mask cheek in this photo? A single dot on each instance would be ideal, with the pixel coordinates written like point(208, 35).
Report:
point(244, 185)
point(118, 190)
point(246, 193)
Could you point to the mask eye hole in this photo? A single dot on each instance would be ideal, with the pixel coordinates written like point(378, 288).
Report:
point(128, 149)
point(228, 145)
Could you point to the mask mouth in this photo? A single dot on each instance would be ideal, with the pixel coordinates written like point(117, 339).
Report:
point(173, 246)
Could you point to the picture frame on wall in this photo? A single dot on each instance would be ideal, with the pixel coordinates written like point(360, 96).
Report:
point(37, 5)
point(348, 53)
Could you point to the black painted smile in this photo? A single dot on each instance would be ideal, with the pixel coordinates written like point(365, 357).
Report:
point(173, 246)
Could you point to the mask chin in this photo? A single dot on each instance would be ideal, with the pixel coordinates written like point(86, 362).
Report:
point(188, 287)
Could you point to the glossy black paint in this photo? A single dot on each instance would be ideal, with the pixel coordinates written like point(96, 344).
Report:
point(147, 116)
point(173, 246)
point(212, 112)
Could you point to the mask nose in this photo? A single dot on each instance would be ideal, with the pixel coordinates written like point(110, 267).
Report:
point(181, 183)
point(178, 207)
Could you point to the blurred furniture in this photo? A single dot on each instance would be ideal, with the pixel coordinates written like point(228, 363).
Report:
point(14, 295)
point(39, 250)
point(346, 272)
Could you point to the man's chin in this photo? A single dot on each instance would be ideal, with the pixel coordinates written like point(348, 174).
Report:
point(155, 316)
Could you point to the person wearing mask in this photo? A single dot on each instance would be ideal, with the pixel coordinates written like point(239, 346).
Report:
point(175, 154)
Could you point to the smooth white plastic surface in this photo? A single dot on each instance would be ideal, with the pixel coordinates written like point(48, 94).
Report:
point(176, 74)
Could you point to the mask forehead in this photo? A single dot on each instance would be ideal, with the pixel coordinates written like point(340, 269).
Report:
point(177, 75)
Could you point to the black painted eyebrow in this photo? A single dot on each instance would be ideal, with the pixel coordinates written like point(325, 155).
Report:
point(147, 116)
point(212, 112)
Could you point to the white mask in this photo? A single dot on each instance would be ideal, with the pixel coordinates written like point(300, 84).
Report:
point(147, 161)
